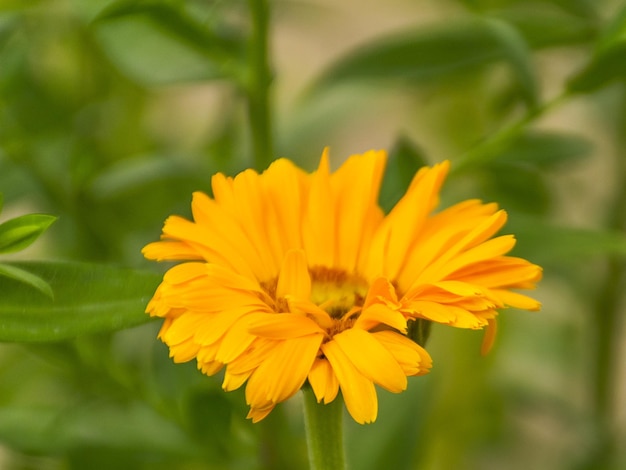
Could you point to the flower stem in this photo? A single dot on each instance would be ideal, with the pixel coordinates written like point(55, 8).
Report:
point(258, 87)
point(324, 432)
point(608, 320)
point(419, 331)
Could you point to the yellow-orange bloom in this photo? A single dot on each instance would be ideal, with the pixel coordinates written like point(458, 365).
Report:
point(292, 277)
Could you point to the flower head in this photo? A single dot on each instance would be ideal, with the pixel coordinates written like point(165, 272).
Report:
point(292, 277)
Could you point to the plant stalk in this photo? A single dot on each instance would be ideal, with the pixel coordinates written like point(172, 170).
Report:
point(324, 432)
point(258, 86)
point(608, 318)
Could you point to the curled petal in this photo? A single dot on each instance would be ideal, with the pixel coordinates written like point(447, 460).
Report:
point(358, 392)
point(371, 359)
point(283, 371)
point(323, 381)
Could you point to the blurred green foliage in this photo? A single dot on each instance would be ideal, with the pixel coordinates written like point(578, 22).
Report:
point(113, 112)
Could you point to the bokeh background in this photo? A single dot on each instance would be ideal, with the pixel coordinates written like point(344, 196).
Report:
point(112, 113)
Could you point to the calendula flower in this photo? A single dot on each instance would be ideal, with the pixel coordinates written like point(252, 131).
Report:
point(292, 277)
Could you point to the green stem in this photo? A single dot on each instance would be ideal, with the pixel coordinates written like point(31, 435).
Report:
point(607, 320)
point(258, 91)
point(324, 432)
point(419, 331)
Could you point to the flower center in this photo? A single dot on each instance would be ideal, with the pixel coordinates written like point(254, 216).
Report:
point(336, 291)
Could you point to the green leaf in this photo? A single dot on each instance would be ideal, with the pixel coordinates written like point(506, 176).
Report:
point(404, 160)
point(48, 429)
point(17, 5)
point(208, 413)
point(428, 54)
point(543, 28)
point(18, 233)
point(543, 150)
point(546, 149)
point(584, 8)
point(13, 272)
point(131, 174)
point(606, 67)
point(517, 188)
point(88, 298)
point(518, 54)
point(551, 242)
point(608, 64)
point(157, 43)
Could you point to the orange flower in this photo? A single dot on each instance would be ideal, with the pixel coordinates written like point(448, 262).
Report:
point(293, 277)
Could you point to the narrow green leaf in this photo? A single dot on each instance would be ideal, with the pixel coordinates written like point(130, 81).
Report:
point(18, 274)
point(427, 54)
point(51, 430)
point(543, 28)
point(515, 144)
point(517, 187)
point(550, 242)
point(606, 67)
point(546, 149)
point(609, 61)
point(518, 54)
point(133, 173)
point(584, 8)
point(88, 298)
point(17, 5)
point(18, 233)
point(179, 38)
point(404, 160)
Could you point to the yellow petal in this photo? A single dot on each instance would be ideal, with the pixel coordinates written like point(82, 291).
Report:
point(397, 232)
point(371, 359)
point(410, 356)
point(320, 316)
point(489, 249)
point(447, 314)
point(319, 222)
point(182, 328)
point(210, 368)
point(514, 299)
point(490, 336)
point(258, 351)
point(224, 277)
point(234, 381)
point(207, 354)
point(283, 326)
point(281, 178)
point(358, 392)
point(323, 381)
point(185, 272)
point(504, 272)
point(439, 239)
point(378, 314)
point(284, 370)
point(356, 185)
point(294, 279)
point(235, 341)
point(462, 289)
point(170, 251)
point(216, 325)
point(184, 352)
point(257, 414)
point(381, 288)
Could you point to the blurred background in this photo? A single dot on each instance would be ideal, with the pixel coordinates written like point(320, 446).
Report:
point(113, 113)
